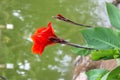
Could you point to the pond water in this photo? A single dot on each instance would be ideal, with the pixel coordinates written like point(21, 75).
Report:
point(20, 18)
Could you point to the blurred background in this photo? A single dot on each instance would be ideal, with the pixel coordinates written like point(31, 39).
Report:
point(18, 21)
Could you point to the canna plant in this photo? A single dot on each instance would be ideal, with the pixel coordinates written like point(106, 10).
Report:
point(101, 42)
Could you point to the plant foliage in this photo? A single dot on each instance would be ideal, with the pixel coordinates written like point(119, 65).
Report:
point(102, 38)
point(112, 75)
point(102, 74)
point(114, 15)
point(105, 54)
point(96, 74)
point(106, 41)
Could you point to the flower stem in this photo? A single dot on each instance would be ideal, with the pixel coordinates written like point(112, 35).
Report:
point(62, 18)
point(61, 41)
point(78, 46)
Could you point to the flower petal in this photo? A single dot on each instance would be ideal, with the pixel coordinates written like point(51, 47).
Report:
point(38, 49)
point(50, 29)
point(39, 30)
point(36, 38)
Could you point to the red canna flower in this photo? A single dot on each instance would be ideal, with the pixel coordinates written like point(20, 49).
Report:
point(41, 38)
point(46, 36)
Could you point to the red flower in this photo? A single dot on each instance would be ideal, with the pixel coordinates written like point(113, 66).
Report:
point(41, 38)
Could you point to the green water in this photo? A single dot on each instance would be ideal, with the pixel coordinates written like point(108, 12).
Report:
point(56, 62)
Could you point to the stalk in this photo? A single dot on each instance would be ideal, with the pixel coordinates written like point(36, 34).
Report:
point(62, 18)
point(61, 41)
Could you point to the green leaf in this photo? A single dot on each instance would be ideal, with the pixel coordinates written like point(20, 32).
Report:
point(114, 15)
point(102, 38)
point(105, 54)
point(96, 74)
point(80, 51)
point(112, 75)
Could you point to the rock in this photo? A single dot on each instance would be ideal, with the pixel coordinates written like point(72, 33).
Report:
point(83, 64)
